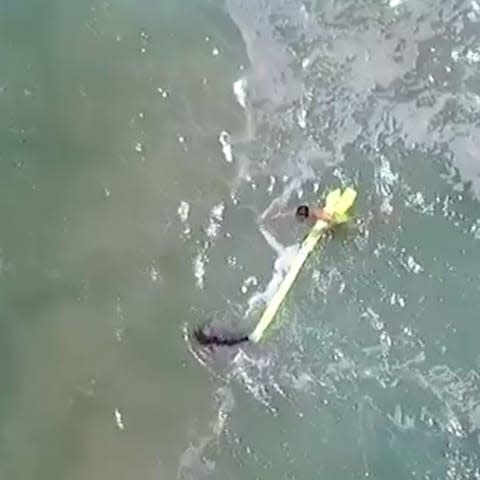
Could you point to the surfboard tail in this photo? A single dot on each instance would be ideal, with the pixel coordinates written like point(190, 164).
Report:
point(339, 203)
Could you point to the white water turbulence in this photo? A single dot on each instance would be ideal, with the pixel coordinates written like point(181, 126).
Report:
point(370, 95)
point(194, 460)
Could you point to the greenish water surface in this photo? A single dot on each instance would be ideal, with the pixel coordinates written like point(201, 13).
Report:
point(144, 147)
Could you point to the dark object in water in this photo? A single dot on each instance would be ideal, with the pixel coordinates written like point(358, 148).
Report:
point(208, 336)
point(302, 212)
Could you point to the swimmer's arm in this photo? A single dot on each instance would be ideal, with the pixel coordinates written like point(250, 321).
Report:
point(318, 213)
point(289, 213)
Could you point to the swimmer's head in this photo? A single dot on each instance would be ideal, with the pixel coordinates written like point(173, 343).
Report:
point(302, 213)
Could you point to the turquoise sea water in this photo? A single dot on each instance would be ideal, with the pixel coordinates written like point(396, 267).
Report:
point(144, 147)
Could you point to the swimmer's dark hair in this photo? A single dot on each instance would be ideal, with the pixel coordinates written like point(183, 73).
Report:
point(302, 213)
point(208, 336)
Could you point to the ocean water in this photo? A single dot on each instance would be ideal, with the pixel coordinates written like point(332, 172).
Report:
point(144, 149)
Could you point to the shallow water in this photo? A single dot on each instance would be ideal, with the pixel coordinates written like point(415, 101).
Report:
point(144, 147)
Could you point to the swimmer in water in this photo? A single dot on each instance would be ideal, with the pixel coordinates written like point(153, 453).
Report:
point(313, 214)
point(304, 213)
point(214, 337)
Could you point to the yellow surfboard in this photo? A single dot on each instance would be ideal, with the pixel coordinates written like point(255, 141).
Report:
point(338, 204)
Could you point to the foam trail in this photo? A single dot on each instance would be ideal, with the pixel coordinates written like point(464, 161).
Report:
point(285, 256)
point(240, 91)
point(193, 462)
point(272, 241)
